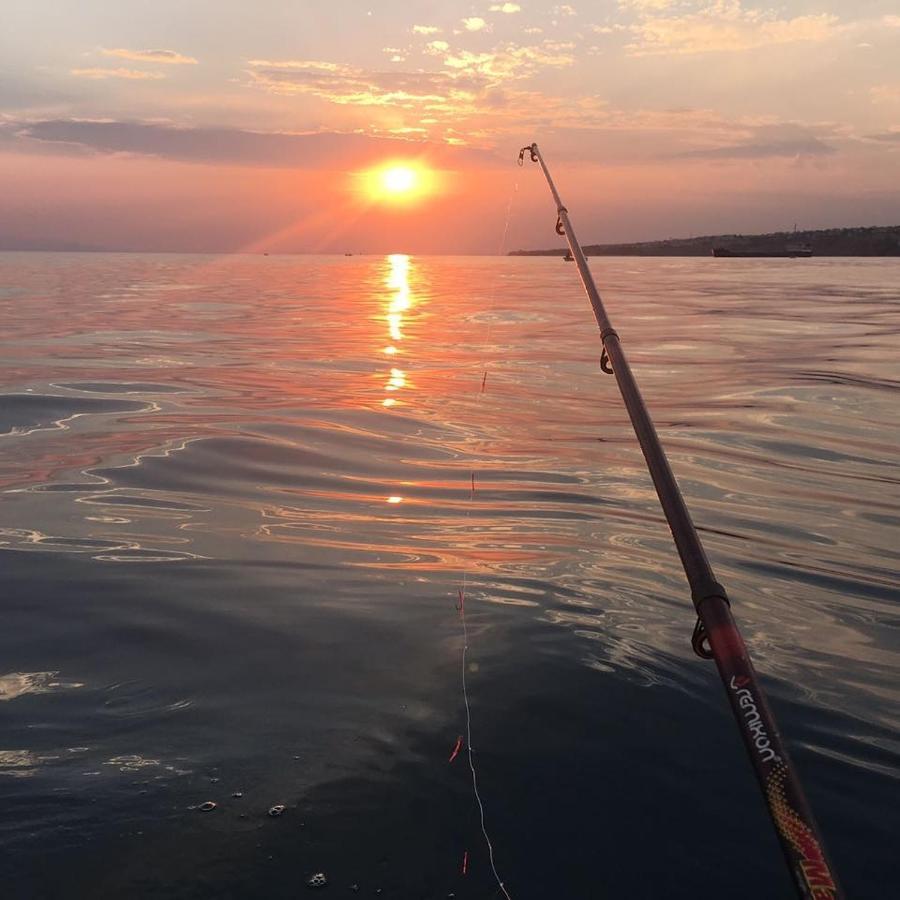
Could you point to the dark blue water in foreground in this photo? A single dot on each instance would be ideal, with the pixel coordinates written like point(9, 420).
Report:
point(236, 507)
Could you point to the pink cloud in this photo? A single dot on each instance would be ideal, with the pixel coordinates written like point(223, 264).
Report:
point(98, 73)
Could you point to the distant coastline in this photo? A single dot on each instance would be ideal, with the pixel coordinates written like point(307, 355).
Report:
point(878, 240)
point(873, 241)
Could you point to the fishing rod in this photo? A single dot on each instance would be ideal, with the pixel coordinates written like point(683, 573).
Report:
point(716, 634)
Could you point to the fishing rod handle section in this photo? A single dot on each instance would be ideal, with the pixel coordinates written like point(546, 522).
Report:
point(795, 826)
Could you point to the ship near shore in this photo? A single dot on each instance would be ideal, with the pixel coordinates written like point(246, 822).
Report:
point(787, 253)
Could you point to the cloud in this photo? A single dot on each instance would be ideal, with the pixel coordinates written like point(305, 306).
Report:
point(169, 57)
point(472, 99)
point(509, 61)
point(425, 29)
point(465, 74)
point(99, 74)
point(644, 5)
point(507, 8)
point(885, 93)
point(327, 150)
point(354, 86)
point(892, 137)
point(474, 23)
point(768, 141)
point(487, 98)
point(811, 147)
point(724, 25)
point(564, 10)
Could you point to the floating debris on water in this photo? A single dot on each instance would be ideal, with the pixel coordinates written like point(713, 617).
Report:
point(277, 810)
point(237, 795)
point(131, 762)
point(207, 806)
point(317, 881)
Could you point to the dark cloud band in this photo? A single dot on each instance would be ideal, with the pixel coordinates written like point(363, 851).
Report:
point(230, 146)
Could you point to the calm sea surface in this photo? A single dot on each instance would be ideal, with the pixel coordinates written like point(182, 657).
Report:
point(237, 505)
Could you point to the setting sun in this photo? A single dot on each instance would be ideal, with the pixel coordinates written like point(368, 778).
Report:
point(398, 183)
point(399, 179)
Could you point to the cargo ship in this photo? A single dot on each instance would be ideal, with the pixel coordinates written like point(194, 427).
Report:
point(787, 253)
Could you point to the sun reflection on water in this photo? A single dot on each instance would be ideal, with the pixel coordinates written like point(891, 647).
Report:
point(400, 301)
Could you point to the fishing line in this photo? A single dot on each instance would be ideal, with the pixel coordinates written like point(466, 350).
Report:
point(461, 594)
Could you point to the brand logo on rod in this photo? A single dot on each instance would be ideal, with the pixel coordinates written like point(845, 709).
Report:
point(753, 720)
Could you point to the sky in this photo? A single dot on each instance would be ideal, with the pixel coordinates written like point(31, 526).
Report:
point(226, 125)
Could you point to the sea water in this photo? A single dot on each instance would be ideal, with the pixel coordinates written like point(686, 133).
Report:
point(240, 494)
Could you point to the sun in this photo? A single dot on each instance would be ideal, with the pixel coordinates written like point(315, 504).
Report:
point(399, 179)
point(398, 182)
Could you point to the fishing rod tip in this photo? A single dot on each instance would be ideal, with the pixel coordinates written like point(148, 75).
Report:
point(531, 149)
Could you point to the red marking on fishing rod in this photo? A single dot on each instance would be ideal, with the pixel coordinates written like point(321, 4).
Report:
point(473, 484)
point(456, 749)
point(465, 865)
point(813, 863)
point(483, 380)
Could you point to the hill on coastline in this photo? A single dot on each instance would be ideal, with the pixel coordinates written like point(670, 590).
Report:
point(877, 240)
